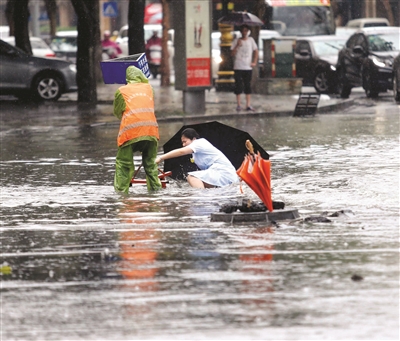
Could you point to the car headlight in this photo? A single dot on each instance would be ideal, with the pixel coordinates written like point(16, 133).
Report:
point(378, 62)
point(333, 68)
point(72, 67)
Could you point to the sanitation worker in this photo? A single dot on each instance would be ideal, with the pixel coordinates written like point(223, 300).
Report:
point(138, 132)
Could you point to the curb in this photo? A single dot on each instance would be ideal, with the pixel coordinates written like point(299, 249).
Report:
point(173, 117)
point(337, 106)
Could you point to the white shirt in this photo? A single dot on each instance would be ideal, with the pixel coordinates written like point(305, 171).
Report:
point(216, 169)
point(244, 53)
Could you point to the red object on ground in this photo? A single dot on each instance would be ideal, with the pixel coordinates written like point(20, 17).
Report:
point(256, 173)
point(161, 176)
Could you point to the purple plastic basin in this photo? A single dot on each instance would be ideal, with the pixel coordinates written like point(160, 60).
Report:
point(114, 70)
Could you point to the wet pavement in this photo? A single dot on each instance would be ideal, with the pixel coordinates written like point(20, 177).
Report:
point(219, 104)
point(80, 262)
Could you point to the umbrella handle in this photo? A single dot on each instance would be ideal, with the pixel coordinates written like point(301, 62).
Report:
point(249, 146)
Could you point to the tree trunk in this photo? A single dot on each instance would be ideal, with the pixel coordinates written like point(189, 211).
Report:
point(89, 51)
point(10, 16)
point(51, 8)
point(136, 42)
point(21, 28)
point(258, 10)
point(389, 11)
point(164, 68)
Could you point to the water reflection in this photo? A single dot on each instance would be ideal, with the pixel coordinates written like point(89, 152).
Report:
point(257, 261)
point(138, 247)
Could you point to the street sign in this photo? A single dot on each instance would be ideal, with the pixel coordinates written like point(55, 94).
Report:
point(110, 9)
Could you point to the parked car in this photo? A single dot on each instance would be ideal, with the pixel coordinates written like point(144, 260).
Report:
point(345, 32)
point(316, 59)
point(65, 45)
point(396, 78)
point(367, 22)
point(367, 60)
point(32, 77)
point(39, 47)
point(4, 31)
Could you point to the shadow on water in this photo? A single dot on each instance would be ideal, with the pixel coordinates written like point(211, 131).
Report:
point(80, 262)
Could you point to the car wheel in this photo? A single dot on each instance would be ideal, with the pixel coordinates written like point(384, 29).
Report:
point(368, 85)
point(343, 87)
point(396, 93)
point(321, 83)
point(47, 88)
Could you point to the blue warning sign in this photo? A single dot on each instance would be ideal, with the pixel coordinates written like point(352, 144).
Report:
point(110, 9)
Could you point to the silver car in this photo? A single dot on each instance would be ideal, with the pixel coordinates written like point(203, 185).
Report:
point(39, 47)
point(29, 77)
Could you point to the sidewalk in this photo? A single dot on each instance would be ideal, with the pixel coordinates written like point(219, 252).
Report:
point(169, 102)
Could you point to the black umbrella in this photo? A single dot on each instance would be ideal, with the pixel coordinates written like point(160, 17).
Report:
point(230, 141)
point(240, 18)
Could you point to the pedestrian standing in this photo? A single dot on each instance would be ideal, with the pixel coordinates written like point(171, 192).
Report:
point(153, 40)
point(215, 168)
point(245, 53)
point(138, 132)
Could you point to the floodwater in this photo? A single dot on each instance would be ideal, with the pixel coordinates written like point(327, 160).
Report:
point(80, 262)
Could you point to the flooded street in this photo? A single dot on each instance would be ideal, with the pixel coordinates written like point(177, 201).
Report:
point(80, 262)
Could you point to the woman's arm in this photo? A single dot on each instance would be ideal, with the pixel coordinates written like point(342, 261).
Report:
point(175, 153)
point(255, 58)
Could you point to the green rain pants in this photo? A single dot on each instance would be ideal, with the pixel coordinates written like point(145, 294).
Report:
point(125, 168)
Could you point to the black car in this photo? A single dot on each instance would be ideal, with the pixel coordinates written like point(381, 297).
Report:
point(367, 60)
point(316, 59)
point(396, 79)
point(29, 77)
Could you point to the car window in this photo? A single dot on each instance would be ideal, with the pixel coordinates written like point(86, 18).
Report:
point(5, 49)
point(330, 47)
point(38, 44)
point(64, 44)
point(376, 24)
point(381, 43)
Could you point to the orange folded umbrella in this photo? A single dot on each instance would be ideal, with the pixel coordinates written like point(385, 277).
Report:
point(265, 167)
point(256, 173)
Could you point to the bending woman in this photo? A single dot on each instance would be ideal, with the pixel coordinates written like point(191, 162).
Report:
point(215, 168)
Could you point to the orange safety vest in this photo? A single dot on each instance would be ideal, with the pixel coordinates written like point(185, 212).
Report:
point(138, 119)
